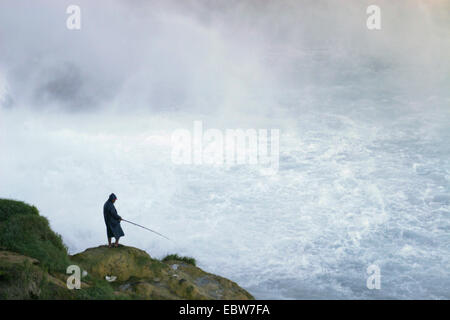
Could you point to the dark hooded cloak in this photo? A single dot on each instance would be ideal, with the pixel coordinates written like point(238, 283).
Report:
point(112, 219)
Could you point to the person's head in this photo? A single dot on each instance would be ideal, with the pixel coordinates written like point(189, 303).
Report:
point(112, 197)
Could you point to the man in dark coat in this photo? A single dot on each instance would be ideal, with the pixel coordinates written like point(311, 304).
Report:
point(112, 220)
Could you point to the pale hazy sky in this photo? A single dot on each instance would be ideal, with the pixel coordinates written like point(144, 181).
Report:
point(213, 55)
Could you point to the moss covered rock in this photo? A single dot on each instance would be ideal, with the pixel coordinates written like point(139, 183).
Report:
point(22, 277)
point(142, 277)
point(122, 262)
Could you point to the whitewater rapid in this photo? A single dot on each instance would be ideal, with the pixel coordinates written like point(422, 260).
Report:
point(353, 189)
point(363, 177)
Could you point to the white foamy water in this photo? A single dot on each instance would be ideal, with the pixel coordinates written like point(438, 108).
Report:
point(364, 120)
point(349, 193)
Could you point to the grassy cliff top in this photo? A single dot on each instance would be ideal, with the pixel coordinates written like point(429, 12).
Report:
point(34, 259)
point(24, 230)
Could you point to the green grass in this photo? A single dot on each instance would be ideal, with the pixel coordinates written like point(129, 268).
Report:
point(24, 231)
point(142, 261)
point(176, 257)
point(99, 290)
point(23, 281)
point(9, 208)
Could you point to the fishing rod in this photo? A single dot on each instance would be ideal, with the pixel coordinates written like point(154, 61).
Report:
point(146, 228)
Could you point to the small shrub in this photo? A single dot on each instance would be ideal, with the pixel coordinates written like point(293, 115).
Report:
point(175, 256)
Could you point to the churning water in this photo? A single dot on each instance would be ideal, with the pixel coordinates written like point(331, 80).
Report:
point(364, 163)
point(348, 193)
